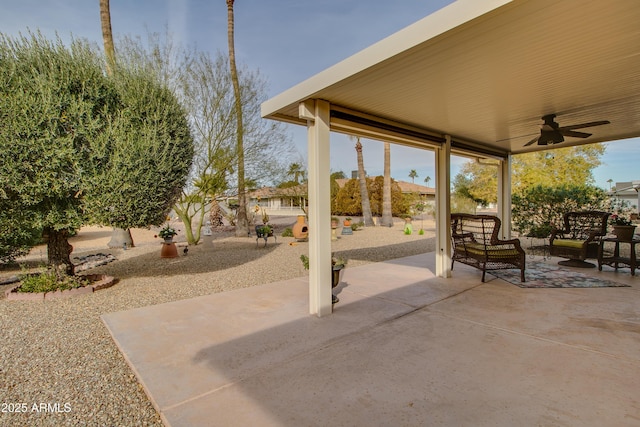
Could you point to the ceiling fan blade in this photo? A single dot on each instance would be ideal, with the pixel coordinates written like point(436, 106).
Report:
point(585, 125)
point(531, 142)
point(575, 134)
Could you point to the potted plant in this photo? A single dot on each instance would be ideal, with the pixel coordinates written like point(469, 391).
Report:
point(623, 228)
point(169, 249)
point(337, 264)
point(347, 222)
point(264, 230)
point(334, 222)
point(167, 233)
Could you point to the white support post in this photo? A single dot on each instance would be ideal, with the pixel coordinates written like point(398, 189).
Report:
point(318, 134)
point(443, 209)
point(504, 197)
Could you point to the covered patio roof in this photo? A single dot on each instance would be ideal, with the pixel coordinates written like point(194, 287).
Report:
point(485, 72)
point(472, 79)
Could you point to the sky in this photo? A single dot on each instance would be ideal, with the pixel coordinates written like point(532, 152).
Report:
point(288, 41)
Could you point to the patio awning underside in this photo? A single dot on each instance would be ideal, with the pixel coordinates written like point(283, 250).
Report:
point(485, 73)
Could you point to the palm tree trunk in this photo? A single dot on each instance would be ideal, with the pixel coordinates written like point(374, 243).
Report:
point(364, 193)
point(107, 36)
point(119, 237)
point(215, 214)
point(242, 222)
point(387, 216)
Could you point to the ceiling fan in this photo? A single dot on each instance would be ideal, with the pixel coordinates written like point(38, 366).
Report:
point(552, 133)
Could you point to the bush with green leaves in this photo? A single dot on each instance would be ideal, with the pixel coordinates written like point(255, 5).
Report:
point(49, 281)
point(78, 147)
point(17, 232)
point(142, 162)
point(536, 211)
point(347, 201)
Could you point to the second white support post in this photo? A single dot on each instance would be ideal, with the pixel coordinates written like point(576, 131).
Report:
point(443, 209)
point(318, 134)
point(504, 197)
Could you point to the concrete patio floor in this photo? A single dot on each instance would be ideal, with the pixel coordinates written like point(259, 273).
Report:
point(402, 348)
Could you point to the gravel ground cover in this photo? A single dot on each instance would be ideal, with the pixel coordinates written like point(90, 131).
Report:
point(58, 363)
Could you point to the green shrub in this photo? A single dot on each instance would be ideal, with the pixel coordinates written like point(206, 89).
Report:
point(49, 282)
point(18, 233)
point(305, 261)
point(288, 232)
point(538, 210)
point(348, 202)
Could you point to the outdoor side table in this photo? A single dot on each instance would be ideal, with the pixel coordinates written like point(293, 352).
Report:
point(615, 260)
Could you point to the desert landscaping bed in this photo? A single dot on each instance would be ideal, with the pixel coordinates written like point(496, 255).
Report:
point(58, 351)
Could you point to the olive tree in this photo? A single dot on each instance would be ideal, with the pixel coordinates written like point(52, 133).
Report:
point(142, 161)
point(76, 146)
point(53, 102)
point(18, 233)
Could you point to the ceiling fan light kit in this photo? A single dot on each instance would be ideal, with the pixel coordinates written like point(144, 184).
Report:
point(550, 137)
point(552, 133)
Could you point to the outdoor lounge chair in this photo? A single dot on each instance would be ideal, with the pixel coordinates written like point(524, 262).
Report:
point(579, 239)
point(475, 242)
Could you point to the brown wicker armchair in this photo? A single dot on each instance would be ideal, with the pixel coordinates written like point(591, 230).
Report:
point(579, 238)
point(475, 243)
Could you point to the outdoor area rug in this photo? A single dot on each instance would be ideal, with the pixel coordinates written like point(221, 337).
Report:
point(542, 275)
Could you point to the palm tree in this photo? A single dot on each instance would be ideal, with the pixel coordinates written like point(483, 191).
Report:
point(413, 175)
point(364, 193)
point(107, 36)
point(426, 180)
point(296, 171)
point(242, 222)
point(387, 215)
point(119, 237)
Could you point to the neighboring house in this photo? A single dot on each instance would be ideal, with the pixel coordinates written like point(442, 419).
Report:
point(628, 191)
point(429, 193)
point(289, 201)
point(280, 200)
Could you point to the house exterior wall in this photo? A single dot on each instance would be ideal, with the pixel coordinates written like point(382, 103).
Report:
point(628, 191)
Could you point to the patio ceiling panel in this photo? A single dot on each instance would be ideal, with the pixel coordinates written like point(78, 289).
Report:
point(485, 73)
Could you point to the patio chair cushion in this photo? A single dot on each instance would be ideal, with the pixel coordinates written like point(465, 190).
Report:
point(569, 243)
point(491, 251)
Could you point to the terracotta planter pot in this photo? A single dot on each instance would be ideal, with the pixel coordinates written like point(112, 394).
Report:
point(169, 250)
